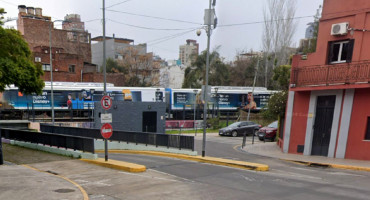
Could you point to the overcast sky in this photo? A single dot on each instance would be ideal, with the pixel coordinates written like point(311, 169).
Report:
point(188, 13)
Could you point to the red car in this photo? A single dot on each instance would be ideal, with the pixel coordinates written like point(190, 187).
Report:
point(268, 132)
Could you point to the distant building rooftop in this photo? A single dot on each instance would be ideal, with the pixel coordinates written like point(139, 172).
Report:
point(119, 40)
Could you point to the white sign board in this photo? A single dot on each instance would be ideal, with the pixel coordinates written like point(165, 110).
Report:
point(106, 118)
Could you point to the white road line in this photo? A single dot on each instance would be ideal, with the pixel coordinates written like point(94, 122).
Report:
point(305, 169)
point(171, 175)
point(159, 178)
point(345, 174)
point(284, 173)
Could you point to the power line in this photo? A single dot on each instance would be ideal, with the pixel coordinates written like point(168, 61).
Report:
point(171, 37)
point(92, 20)
point(149, 28)
point(9, 3)
point(153, 17)
point(260, 22)
point(117, 4)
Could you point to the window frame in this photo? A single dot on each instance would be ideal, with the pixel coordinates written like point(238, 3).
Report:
point(45, 67)
point(73, 67)
point(349, 52)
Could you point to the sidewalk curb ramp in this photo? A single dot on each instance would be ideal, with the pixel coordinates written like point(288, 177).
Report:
point(336, 166)
point(115, 164)
point(211, 160)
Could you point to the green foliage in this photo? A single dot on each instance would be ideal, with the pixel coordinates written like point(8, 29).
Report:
point(16, 66)
point(112, 66)
point(277, 104)
point(282, 76)
point(2, 12)
point(219, 72)
point(215, 123)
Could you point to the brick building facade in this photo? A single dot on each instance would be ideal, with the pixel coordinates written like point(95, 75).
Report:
point(71, 46)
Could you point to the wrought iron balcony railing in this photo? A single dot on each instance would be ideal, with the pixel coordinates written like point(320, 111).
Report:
point(325, 75)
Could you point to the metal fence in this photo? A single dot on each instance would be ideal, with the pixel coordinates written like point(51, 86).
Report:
point(156, 139)
point(84, 144)
point(345, 73)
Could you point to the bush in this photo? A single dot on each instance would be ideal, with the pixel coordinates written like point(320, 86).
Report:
point(214, 122)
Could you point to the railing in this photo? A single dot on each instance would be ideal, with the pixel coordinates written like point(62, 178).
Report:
point(57, 140)
point(324, 75)
point(175, 141)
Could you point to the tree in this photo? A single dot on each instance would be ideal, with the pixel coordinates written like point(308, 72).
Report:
point(16, 66)
point(282, 76)
point(112, 66)
point(219, 72)
point(2, 12)
point(277, 103)
point(139, 67)
point(279, 29)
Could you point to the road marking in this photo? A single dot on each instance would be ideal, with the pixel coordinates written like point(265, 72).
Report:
point(172, 175)
point(345, 174)
point(303, 169)
point(84, 193)
point(97, 183)
point(298, 175)
point(248, 179)
point(159, 178)
point(236, 147)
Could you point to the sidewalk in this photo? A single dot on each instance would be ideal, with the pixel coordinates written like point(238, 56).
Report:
point(24, 182)
point(270, 149)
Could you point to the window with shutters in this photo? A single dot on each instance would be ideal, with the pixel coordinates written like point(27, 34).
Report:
point(340, 52)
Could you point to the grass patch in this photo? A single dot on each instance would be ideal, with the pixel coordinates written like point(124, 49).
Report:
point(191, 131)
point(21, 155)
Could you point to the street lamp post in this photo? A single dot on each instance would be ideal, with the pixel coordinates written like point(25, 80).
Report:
point(51, 72)
point(208, 21)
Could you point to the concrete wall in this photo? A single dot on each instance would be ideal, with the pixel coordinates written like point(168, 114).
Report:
point(128, 116)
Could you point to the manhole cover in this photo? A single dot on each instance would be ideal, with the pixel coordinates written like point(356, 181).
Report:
point(64, 190)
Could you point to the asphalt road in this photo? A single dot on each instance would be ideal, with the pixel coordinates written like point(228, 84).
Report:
point(284, 180)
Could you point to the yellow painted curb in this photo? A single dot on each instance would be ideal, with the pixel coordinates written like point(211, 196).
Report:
point(115, 164)
point(336, 166)
point(212, 160)
point(84, 193)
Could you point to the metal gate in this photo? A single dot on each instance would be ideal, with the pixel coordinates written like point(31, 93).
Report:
point(323, 124)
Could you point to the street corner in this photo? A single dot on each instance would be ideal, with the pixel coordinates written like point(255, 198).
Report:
point(119, 165)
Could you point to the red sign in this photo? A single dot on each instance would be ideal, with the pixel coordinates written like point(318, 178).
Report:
point(106, 102)
point(106, 131)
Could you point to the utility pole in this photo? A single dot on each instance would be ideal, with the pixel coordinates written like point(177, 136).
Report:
point(209, 15)
point(105, 79)
point(51, 75)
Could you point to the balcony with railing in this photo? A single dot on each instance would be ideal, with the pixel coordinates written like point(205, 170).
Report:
point(338, 76)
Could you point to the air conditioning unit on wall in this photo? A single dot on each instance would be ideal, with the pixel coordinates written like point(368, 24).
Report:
point(339, 29)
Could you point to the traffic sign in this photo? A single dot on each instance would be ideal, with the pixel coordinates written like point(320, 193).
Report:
point(106, 131)
point(106, 118)
point(106, 102)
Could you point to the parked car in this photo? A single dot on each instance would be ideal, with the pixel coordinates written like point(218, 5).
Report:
point(268, 132)
point(238, 128)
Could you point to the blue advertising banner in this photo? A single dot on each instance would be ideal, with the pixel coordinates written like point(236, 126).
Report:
point(226, 101)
